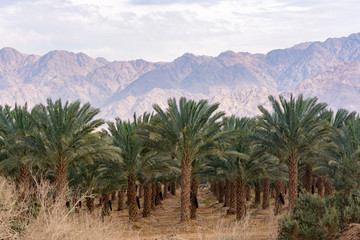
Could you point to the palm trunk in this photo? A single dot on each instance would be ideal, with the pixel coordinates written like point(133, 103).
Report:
point(185, 190)
point(213, 188)
point(131, 196)
point(266, 193)
point(105, 205)
point(293, 179)
point(321, 186)
point(24, 182)
point(113, 196)
point(272, 192)
point(328, 188)
point(173, 189)
point(141, 191)
point(240, 197)
point(121, 199)
point(279, 190)
point(165, 194)
point(248, 193)
point(308, 178)
point(257, 194)
point(90, 204)
point(194, 190)
point(216, 190)
point(232, 208)
point(153, 196)
point(60, 181)
point(158, 192)
point(227, 194)
point(221, 192)
point(147, 200)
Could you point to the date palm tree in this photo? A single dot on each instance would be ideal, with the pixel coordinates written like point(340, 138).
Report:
point(15, 127)
point(186, 131)
point(66, 134)
point(299, 129)
point(342, 156)
point(132, 153)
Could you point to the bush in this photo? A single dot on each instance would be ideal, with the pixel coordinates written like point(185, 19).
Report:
point(330, 223)
point(289, 228)
point(312, 218)
point(46, 218)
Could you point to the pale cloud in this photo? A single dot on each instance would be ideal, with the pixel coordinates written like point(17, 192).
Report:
point(161, 30)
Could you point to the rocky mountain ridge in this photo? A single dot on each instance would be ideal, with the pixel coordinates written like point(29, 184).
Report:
point(239, 81)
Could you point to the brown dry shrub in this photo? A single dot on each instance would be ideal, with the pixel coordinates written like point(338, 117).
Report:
point(12, 213)
point(50, 219)
point(352, 234)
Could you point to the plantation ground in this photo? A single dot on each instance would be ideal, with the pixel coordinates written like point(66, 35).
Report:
point(212, 222)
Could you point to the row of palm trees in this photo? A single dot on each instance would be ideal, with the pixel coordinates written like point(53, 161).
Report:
point(188, 142)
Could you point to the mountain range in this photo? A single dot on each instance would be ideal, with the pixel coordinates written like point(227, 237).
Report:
point(240, 81)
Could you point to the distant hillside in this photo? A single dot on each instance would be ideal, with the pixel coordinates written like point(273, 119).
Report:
point(239, 81)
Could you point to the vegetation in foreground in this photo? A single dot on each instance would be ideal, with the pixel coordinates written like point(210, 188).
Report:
point(299, 145)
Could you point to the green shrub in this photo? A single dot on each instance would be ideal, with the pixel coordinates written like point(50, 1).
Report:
point(330, 223)
point(289, 228)
point(312, 218)
point(308, 211)
point(348, 206)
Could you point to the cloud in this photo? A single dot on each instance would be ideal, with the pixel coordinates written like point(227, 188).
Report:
point(166, 2)
point(161, 30)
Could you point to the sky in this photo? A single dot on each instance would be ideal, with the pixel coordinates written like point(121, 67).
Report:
point(162, 30)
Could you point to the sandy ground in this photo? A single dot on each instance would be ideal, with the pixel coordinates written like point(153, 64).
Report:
point(211, 223)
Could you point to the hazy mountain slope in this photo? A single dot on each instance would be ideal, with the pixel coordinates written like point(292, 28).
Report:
point(339, 86)
point(239, 81)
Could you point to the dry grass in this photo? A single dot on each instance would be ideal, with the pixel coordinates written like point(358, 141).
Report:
point(351, 234)
point(52, 220)
point(247, 228)
point(12, 214)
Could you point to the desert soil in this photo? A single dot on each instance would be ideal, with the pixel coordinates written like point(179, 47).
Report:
point(212, 221)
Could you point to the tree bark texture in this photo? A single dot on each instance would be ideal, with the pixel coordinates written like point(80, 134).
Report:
point(90, 204)
point(272, 192)
point(131, 196)
point(248, 193)
point(121, 199)
point(105, 205)
point(213, 188)
point(60, 182)
point(173, 189)
point(158, 192)
point(141, 191)
point(185, 190)
point(24, 182)
point(293, 180)
point(279, 189)
point(257, 194)
point(147, 200)
point(165, 192)
point(153, 196)
point(221, 192)
point(328, 188)
point(266, 193)
point(216, 190)
point(227, 194)
point(113, 196)
point(194, 190)
point(232, 207)
point(240, 197)
point(321, 186)
point(308, 178)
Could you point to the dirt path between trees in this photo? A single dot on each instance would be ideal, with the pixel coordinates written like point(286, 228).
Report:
point(211, 223)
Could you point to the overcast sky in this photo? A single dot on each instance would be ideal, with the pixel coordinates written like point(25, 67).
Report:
point(162, 30)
